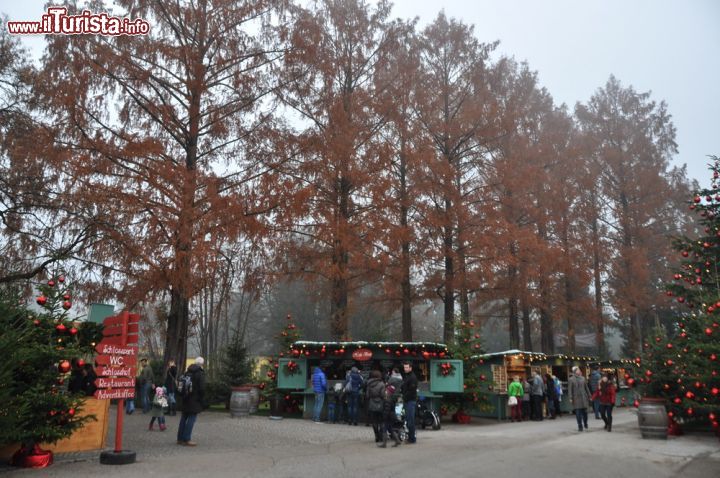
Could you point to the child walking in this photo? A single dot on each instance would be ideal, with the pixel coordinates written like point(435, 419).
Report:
point(159, 405)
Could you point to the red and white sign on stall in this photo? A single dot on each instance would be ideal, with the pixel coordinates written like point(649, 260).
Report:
point(116, 364)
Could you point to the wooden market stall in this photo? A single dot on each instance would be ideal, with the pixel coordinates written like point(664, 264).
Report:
point(501, 367)
point(337, 358)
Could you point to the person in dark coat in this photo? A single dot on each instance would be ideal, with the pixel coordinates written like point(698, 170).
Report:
point(551, 396)
point(171, 387)
point(374, 397)
point(409, 396)
point(392, 392)
point(75, 383)
point(193, 404)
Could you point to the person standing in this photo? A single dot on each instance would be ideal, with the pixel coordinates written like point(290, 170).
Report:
point(319, 382)
point(159, 405)
point(526, 412)
point(192, 404)
point(391, 394)
point(552, 401)
point(607, 401)
point(409, 396)
point(594, 383)
point(515, 390)
point(537, 392)
point(374, 396)
point(171, 387)
point(579, 395)
point(354, 385)
point(147, 380)
point(558, 394)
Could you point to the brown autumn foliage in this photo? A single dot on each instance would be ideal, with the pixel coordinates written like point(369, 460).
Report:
point(166, 136)
point(378, 163)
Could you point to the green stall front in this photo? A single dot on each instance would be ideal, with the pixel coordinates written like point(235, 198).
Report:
point(337, 358)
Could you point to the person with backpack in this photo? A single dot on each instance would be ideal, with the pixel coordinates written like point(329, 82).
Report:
point(354, 384)
point(319, 382)
point(191, 388)
point(374, 397)
point(171, 387)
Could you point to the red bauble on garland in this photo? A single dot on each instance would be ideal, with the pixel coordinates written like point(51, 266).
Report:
point(64, 366)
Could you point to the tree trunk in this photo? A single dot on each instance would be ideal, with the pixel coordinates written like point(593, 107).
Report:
point(449, 289)
point(599, 325)
point(340, 286)
point(514, 326)
point(527, 333)
point(406, 287)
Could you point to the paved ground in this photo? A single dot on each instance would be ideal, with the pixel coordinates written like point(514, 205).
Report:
point(257, 446)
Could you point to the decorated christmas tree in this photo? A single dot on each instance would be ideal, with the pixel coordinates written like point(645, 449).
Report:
point(36, 368)
point(682, 365)
point(235, 366)
point(287, 336)
point(467, 347)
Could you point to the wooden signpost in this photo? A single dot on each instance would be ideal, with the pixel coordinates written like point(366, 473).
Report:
point(116, 370)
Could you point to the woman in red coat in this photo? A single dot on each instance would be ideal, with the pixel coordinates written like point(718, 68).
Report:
point(607, 400)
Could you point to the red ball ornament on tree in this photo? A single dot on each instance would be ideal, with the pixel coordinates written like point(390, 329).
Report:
point(715, 391)
point(677, 401)
point(60, 328)
point(67, 296)
point(696, 199)
point(71, 412)
point(685, 253)
point(61, 279)
point(51, 283)
point(80, 363)
point(41, 300)
point(648, 373)
point(73, 331)
point(689, 395)
point(66, 305)
point(64, 366)
point(708, 331)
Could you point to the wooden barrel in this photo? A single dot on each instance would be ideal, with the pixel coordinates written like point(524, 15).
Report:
point(652, 418)
point(254, 398)
point(240, 402)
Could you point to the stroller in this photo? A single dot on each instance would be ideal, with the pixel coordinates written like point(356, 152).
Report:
point(399, 424)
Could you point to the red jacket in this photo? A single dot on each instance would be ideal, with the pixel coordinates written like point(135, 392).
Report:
point(607, 394)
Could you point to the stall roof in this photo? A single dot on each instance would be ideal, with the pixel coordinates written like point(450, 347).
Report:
point(508, 352)
point(362, 343)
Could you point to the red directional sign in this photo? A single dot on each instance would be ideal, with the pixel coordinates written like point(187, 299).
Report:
point(131, 339)
point(114, 349)
point(105, 394)
point(115, 371)
point(118, 320)
point(104, 382)
point(118, 330)
point(116, 360)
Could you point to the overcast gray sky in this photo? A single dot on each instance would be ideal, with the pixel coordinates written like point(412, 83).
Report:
point(669, 47)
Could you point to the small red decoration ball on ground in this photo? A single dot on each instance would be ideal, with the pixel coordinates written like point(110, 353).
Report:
point(64, 366)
